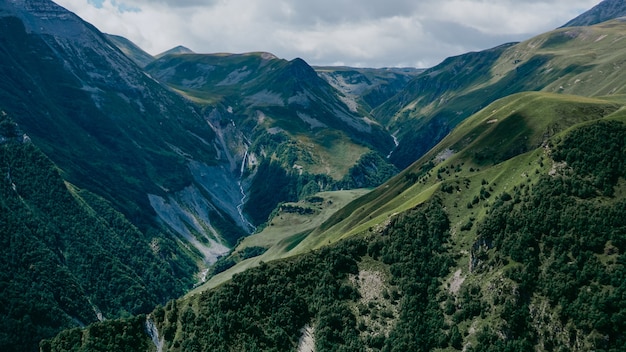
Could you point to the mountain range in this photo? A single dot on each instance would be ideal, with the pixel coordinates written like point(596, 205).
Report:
point(474, 205)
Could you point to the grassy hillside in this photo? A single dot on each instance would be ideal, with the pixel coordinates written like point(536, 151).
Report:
point(289, 224)
point(131, 50)
point(507, 236)
point(509, 127)
point(582, 61)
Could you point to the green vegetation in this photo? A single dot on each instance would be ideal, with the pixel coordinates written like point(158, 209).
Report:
point(291, 184)
point(67, 255)
point(128, 335)
point(536, 261)
point(302, 135)
point(508, 235)
point(566, 243)
point(284, 231)
point(265, 308)
point(575, 61)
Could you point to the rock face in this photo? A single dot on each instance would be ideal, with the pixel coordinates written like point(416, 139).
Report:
point(604, 11)
point(110, 127)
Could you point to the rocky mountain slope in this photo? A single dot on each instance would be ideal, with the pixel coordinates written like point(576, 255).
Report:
point(281, 121)
point(366, 88)
point(114, 130)
point(604, 11)
point(136, 147)
point(507, 235)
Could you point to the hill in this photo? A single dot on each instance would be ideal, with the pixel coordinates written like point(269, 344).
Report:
point(579, 60)
point(177, 50)
point(506, 236)
point(604, 11)
point(131, 50)
point(281, 121)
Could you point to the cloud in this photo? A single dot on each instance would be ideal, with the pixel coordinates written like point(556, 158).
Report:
point(353, 32)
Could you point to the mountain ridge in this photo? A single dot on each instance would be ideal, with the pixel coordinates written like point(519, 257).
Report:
point(451, 254)
point(604, 11)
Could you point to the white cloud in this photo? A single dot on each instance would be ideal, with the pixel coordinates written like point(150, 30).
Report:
point(352, 32)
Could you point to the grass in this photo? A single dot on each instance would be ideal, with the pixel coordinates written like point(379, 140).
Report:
point(501, 144)
point(501, 147)
point(285, 232)
point(530, 118)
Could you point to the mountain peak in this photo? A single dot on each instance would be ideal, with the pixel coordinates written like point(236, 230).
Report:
point(604, 11)
point(175, 50)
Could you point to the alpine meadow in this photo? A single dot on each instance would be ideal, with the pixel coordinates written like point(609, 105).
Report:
point(245, 202)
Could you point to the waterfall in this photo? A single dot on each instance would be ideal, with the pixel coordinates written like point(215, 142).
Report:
point(395, 141)
point(243, 164)
point(153, 332)
point(242, 202)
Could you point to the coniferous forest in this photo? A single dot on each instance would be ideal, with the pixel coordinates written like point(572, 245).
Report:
point(557, 244)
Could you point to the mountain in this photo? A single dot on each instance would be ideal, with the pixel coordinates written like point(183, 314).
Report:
point(604, 11)
point(367, 88)
point(175, 51)
point(506, 236)
point(578, 60)
point(150, 163)
point(170, 178)
point(131, 50)
point(282, 122)
point(68, 257)
point(114, 130)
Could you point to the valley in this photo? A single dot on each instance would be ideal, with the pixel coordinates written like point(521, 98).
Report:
point(189, 201)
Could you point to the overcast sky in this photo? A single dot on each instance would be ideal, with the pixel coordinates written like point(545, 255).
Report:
point(366, 33)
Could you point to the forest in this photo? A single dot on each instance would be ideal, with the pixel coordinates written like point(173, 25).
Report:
point(69, 258)
point(547, 272)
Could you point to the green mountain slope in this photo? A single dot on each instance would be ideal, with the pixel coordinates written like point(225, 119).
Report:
point(131, 50)
point(580, 60)
point(115, 131)
point(506, 236)
point(280, 121)
point(68, 258)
